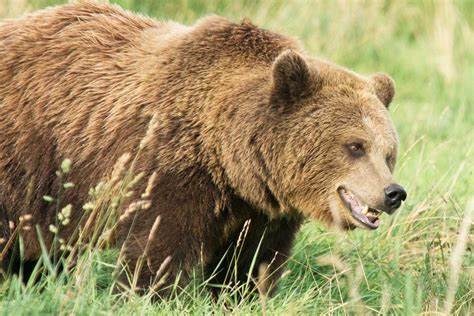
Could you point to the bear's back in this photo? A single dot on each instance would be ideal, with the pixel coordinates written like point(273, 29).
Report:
point(70, 87)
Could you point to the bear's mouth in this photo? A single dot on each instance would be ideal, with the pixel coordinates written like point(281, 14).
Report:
point(361, 212)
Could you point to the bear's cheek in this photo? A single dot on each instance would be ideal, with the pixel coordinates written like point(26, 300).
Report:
point(310, 176)
point(313, 202)
point(316, 197)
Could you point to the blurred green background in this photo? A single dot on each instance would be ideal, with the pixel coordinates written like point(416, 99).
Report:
point(404, 267)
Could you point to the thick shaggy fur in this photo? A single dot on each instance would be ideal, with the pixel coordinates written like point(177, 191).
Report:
point(247, 129)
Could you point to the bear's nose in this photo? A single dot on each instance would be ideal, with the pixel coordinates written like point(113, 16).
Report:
point(394, 195)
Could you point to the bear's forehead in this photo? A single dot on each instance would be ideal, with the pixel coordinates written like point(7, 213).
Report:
point(360, 112)
point(345, 99)
point(380, 130)
point(336, 75)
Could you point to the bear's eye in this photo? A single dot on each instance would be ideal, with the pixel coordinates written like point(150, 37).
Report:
point(390, 161)
point(356, 149)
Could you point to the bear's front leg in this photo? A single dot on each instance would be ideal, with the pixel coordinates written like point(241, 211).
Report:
point(271, 242)
point(156, 265)
point(162, 244)
point(257, 256)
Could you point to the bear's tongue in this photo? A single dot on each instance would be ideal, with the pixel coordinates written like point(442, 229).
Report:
point(361, 212)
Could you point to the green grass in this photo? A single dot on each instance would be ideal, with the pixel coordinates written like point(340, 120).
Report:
point(402, 268)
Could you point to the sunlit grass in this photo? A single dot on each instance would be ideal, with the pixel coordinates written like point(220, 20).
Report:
point(405, 266)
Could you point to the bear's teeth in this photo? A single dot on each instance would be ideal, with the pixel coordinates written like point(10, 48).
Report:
point(374, 213)
point(365, 211)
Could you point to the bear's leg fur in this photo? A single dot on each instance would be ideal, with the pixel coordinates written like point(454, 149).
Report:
point(274, 252)
point(168, 257)
point(186, 234)
point(4, 239)
point(267, 241)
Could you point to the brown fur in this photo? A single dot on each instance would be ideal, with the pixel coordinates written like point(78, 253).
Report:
point(250, 128)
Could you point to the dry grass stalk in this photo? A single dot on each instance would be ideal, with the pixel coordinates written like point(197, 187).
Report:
point(357, 305)
point(455, 261)
point(9, 8)
point(8, 244)
point(139, 263)
point(263, 286)
point(444, 36)
point(150, 185)
point(151, 132)
point(335, 262)
point(151, 237)
point(243, 233)
point(161, 274)
point(119, 168)
point(133, 207)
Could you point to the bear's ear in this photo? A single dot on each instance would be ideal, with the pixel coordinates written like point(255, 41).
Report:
point(292, 79)
point(384, 87)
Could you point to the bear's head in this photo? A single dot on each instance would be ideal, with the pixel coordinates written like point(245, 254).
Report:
point(332, 146)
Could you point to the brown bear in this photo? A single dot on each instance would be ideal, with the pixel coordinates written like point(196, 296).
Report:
point(251, 133)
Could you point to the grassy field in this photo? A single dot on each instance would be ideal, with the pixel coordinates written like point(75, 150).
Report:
point(421, 260)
